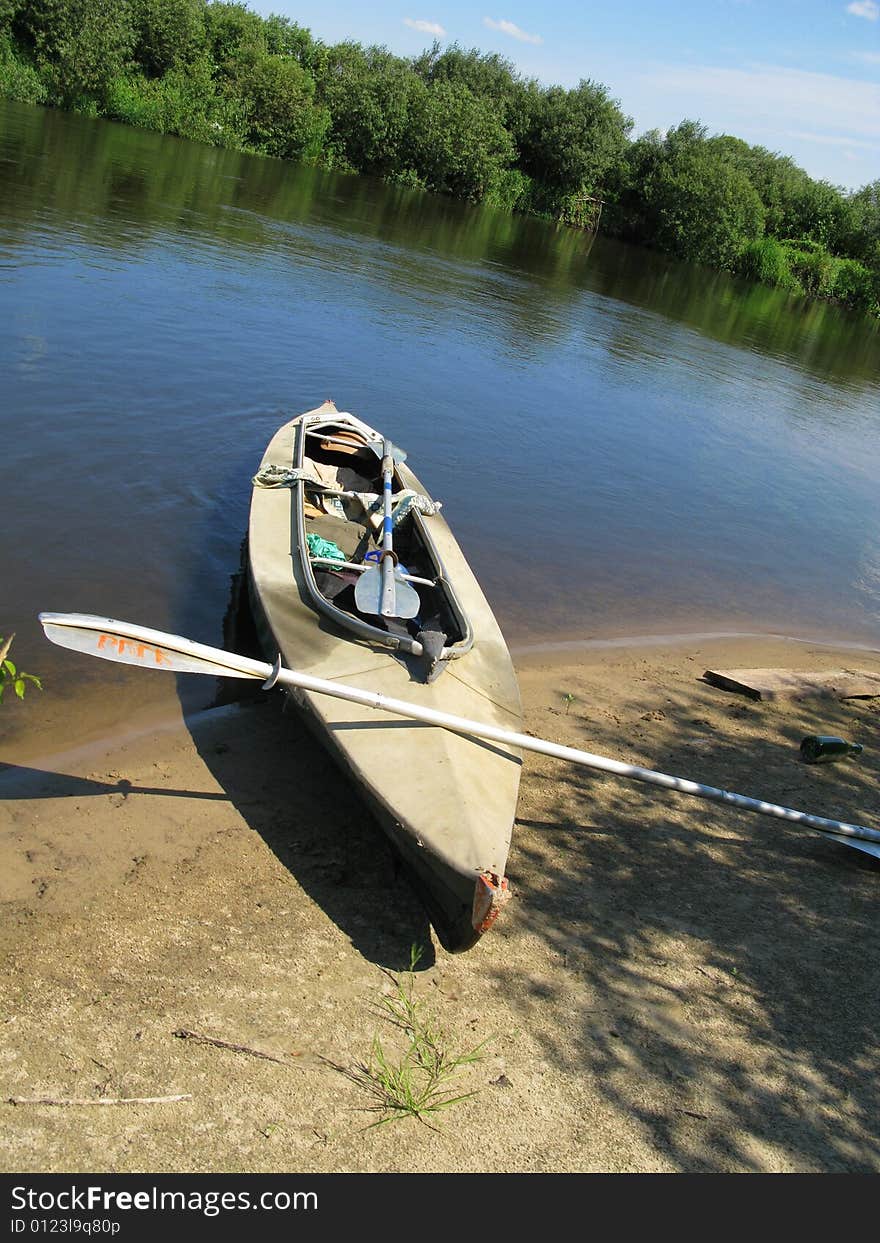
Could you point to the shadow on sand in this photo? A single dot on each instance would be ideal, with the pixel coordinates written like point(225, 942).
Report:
point(719, 968)
point(309, 813)
point(287, 788)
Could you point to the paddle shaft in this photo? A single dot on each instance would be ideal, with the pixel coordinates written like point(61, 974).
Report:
point(382, 590)
point(360, 568)
point(130, 644)
point(388, 604)
point(526, 742)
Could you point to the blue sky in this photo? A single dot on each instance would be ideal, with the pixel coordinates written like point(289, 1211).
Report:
point(801, 77)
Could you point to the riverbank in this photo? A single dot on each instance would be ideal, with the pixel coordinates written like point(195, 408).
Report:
point(675, 986)
point(268, 88)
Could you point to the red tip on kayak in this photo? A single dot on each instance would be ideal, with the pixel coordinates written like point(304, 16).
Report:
point(491, 892)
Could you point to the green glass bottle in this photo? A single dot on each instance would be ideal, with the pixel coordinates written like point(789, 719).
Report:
point(823, 748)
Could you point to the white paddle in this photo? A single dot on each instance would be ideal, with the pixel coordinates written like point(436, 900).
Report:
point(137, 645)
point(381, 590)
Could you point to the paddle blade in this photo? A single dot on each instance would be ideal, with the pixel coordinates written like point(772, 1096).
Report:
point(858, 843)
point(378, 447)
point(368, 596)
point(127, 644)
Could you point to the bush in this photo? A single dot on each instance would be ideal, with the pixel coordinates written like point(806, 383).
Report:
point(805, 266)
point(370, 96)
point(168, 33)
point(407, 177)
point(511, 191)
point(458, 144)
point(706, 210)
point(570, 139)
point(862, 240)
point(814, 269)
point(19, 80)
point(183, 102)
point(134, 102)
point(857, 286)
point(806, 245)
point(80, 47)
point(277, 98)
point(766, 260)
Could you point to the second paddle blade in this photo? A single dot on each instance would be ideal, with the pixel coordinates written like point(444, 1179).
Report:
point(368, 596)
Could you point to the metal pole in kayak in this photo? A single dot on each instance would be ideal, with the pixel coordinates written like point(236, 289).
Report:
point(380, 590)
point(126, 643)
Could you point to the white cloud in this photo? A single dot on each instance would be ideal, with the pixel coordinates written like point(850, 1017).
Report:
point(832, 140)
point(757, 94)
point(867, 58)
point(427, 28)
point(864, 8)
point(508, 28)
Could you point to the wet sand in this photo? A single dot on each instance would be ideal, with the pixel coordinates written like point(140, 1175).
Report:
point(675, 986)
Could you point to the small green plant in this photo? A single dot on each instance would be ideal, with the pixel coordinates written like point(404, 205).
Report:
point(418, 1083)
point(11, 675)
point(568, 700)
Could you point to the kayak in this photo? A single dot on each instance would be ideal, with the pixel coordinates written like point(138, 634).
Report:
point(354, 575)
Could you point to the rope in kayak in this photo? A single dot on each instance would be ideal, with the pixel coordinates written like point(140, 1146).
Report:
point(273, 476)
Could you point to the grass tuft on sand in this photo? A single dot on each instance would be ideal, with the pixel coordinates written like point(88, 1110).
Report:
point(419, 1082)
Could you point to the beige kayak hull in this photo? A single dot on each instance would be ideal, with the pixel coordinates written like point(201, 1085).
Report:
point(447, 801)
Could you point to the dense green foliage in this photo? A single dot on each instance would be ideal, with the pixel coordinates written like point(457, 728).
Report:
point(454, 121)
point(718, 201)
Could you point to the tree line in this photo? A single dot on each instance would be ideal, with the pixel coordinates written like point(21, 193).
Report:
point(451, 120)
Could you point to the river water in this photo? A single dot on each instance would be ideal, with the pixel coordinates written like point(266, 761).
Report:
point(623, 445)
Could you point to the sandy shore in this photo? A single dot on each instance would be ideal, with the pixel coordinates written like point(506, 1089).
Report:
point(675, 986)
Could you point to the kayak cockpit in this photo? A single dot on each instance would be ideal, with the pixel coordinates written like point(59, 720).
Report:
point(338, 478)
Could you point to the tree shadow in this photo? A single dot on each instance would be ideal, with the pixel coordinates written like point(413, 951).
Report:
point(719, 968)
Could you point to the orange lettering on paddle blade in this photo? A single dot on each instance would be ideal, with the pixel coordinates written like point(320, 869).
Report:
point(131, 648)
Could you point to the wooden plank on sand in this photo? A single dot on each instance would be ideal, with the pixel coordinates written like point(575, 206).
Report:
point(793, 684)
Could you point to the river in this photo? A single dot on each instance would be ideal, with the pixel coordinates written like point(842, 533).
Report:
point(623, 445)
